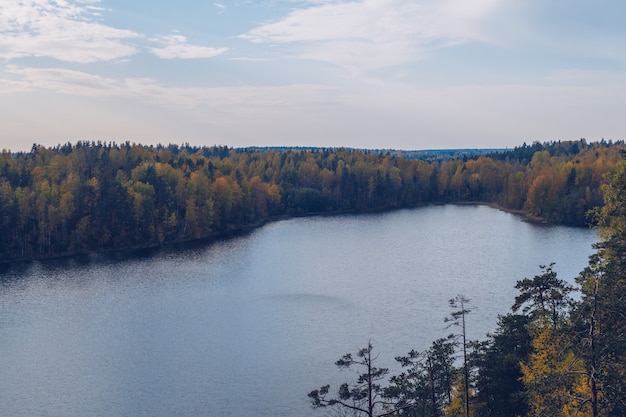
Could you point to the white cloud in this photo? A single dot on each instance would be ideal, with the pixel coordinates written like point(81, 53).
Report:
point(66, 30)
point(369, 34)
point(176, 46)
point(70, 31)
point(12, 86)
point(64, 81)
point(221, 7)
point(241, 98)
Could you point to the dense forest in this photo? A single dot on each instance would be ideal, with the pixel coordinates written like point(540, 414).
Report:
point(94, 196)
point(554, 355)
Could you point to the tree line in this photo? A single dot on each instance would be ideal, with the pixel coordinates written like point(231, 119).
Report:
point(95, 196)
point(551, 356)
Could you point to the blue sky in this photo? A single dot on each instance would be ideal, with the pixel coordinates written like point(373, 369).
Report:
point(404, 74)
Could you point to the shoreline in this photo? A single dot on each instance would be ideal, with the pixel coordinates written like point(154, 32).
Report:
point(522, 213)
point(121, 253)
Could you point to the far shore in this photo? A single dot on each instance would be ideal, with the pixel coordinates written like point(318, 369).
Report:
point(523, 213)
point(249, 228)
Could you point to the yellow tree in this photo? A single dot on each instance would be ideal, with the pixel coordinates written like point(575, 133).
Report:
point(458, 407)
point(554, 375)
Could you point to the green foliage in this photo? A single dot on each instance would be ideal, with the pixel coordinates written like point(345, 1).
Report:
point(500, 391)
point(425, 387)
point(543, 296)
point(599, 319)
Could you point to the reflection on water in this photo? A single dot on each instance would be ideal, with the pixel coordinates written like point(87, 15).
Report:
point(248, 326)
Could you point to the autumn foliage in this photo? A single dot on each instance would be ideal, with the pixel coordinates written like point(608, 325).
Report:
point(94, 196)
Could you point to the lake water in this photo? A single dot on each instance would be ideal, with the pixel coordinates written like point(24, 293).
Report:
point(248, 326)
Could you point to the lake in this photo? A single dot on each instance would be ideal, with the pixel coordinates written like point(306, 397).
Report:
point(248, 326)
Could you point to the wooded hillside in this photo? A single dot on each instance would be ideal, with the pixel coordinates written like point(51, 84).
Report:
point(94, 196)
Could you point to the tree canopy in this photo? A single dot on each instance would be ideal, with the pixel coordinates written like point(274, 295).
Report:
point(95, 196)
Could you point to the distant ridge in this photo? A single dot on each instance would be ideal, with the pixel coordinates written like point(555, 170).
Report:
point(426, 154)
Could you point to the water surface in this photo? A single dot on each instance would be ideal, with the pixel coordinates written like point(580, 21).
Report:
point(248, 326)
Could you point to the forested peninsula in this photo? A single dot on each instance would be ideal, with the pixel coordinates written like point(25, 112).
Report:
point(96, 196)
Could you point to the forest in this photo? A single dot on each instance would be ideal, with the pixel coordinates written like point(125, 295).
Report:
point(553, 355)
point(94, 196)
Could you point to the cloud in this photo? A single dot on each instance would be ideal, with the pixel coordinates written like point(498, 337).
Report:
point(64, 81)
point(70, 31)
point(176, 46)
point(221, 7)
point(66, 30)
point(242, 98)
point(370, 34)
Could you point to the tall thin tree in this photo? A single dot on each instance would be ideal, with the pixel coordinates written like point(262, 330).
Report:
point(457, 318)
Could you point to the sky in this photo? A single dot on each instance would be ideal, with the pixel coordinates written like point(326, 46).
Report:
point(400, 74)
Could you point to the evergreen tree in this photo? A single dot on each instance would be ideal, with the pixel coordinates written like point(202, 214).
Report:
point(364, 397)
point(601, 315)
point(458, 318)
